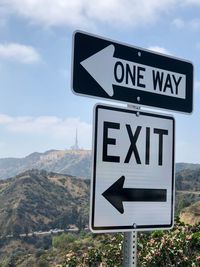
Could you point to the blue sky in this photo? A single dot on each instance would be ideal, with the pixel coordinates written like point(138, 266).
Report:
point(38, 110)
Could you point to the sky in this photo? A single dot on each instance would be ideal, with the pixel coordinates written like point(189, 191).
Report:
point(38, 110)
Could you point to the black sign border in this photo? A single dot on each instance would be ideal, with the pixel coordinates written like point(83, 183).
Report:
point(85, 45)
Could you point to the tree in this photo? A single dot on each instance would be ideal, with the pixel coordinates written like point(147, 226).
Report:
point(16, 229)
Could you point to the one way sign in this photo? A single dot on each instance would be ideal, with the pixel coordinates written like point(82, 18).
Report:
point(105, 69)
point(133, 170)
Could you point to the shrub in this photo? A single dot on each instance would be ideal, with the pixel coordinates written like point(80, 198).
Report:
point(177, 247)
point(63, 240)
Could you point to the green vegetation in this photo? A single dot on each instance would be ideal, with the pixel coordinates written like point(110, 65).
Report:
point(183, 166)
point(38, 200)
point(188, 180)
point(191, 214)
point(185, 199)
point(177, 247)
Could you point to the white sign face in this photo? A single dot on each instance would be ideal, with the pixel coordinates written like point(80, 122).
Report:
point(133, 170)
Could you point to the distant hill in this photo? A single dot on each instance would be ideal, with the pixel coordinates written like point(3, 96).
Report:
point(188, 180)
point(72, 162)
point(185, 199)
point(183, 166)
point(191, 214)
point(38, 200)
point(188, 195)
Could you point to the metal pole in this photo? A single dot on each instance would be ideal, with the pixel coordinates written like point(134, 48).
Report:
point(130, 238)
point(130, 249)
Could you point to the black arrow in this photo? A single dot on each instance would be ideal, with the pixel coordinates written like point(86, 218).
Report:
point(116, 194)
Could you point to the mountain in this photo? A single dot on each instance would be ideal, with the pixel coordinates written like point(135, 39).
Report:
point(39, 200)
point(188, 195)
point(183, 166)
point(191, 214)
point(188, 180)
point(75, 162)
point(72, 162)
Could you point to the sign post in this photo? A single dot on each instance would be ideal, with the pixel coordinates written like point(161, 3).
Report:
point(130, 249)
point(132, 185)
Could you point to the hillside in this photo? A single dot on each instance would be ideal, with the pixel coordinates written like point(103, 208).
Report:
point(38, 200)
point(43, 199)
point(177, 247)
point(191, 214)
point(72, 162)
point(188, 195)
point(183, 166)
point(188, 180)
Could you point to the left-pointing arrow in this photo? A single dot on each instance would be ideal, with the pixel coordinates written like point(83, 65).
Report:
point(116, 194)
point(100, 66)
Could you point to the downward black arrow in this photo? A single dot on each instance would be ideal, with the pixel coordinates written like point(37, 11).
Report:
point(116, 194)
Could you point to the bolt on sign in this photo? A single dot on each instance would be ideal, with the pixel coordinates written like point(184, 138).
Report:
point(133, 170)
point(107, 69)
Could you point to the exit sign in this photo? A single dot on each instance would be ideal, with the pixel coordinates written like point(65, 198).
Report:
point(133, 170)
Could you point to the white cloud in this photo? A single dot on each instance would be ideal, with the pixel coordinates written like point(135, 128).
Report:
point(18, 52)
point(5, 119)
point(53, 129)
point(193, 24)
point(191, 2)
point(88, 13)
point(159, 49)
point(178, 23)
